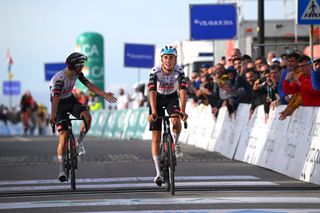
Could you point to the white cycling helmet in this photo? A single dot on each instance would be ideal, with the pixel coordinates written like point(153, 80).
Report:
point(168, 50)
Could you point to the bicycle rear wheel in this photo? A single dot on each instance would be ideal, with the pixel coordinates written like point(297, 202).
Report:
point(171, 163)
point(73, 161)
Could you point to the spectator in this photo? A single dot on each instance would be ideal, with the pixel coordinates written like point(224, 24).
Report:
point(27, 106)
point(228, 92)
point(271, 55)
point(268, 89)
point(302, 84)
point(315, 75)
point(259, 62)
point(123, 100)
point(245, 60)
point(195, 80)
point(235, 53)
point(256, 98)
point(295, 100)
point(137, 98)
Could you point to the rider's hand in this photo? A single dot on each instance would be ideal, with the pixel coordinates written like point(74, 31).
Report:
point(109, 96)
point(184, 116)
point(152, 117)
point(53, 120)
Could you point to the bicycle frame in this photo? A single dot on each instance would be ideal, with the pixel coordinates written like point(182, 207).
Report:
point(71, 159)
point(168, 160)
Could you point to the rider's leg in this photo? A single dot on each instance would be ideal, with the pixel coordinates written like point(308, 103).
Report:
point(83, 131)
point(155, 150)
point(61, 149)
point(25, 121)
point(176, 129)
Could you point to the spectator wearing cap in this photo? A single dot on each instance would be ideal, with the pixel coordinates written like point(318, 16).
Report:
point(315, 74)
point(295, 100)
point(204, 68)
point(302, 84)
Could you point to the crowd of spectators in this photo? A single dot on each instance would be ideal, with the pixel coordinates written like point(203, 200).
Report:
point(289, 79)
point(32, 115)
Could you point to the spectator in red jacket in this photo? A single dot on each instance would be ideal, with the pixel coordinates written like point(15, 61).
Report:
point(310, 96)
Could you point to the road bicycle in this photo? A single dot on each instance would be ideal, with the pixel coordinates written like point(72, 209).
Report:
point(168, 159)
point(71, 158)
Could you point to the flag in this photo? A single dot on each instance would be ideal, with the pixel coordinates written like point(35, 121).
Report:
point(9, 60)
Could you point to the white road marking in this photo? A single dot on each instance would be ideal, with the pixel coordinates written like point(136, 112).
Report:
point(221, 211)
point(160, 201)
point(123, 179)
point(136, 185)
point(22, 138)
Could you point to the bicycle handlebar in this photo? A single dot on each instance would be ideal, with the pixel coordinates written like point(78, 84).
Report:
point(185, 124)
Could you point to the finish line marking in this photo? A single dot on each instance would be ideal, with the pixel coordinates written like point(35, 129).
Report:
point(160, 201)
point(136, 185)
point(122, 179)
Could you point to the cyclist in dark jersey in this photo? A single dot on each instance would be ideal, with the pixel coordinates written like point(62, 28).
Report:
point(27, 105)
point(164, 83)
point(63, 101)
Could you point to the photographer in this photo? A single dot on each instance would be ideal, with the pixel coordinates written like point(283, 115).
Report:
point(315, 74)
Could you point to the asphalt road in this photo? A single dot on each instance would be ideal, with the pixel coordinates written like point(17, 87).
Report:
point(118, 176)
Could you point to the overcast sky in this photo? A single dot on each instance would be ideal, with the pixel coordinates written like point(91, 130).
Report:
point(43, 31)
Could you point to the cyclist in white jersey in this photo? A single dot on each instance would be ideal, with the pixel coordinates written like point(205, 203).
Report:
point(63, 102)
point(165, 82)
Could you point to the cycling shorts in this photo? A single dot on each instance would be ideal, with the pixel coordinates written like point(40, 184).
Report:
point(170, 104)
point(68, 105)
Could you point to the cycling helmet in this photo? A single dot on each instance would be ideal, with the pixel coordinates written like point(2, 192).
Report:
point(168, 50)
point(75, 60)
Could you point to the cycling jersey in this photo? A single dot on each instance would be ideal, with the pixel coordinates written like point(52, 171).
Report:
point(166, 84)
point(62, 86)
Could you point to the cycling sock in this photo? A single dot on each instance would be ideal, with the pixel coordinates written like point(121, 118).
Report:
point(175, 137)
point(156, 159)
point(61, 163)
point(81, 137)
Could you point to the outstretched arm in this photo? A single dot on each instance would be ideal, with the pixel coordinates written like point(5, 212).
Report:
point(106, 95)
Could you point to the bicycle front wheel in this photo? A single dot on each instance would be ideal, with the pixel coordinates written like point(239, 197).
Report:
point(73, 161)
point(171, 166)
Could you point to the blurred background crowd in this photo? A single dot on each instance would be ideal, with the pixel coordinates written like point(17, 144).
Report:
point(288, 79)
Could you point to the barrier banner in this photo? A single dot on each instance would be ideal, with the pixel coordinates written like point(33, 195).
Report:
point(227, 141)
point(101, 123)
point(252, 138)
point(218, 128)
point(121, 124)
point(110, 125)
point(142, 124)
point(192, 121)
point(4, 130)
point(133, 120)
point(206, 126)
point(95, 115)
point(311, 168)
point(15, 129)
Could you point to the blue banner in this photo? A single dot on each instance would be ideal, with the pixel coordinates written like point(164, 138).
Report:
point(213, 21)
point(52, 68)
point(11, 88)
point(139, 55)
point(308, 12)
